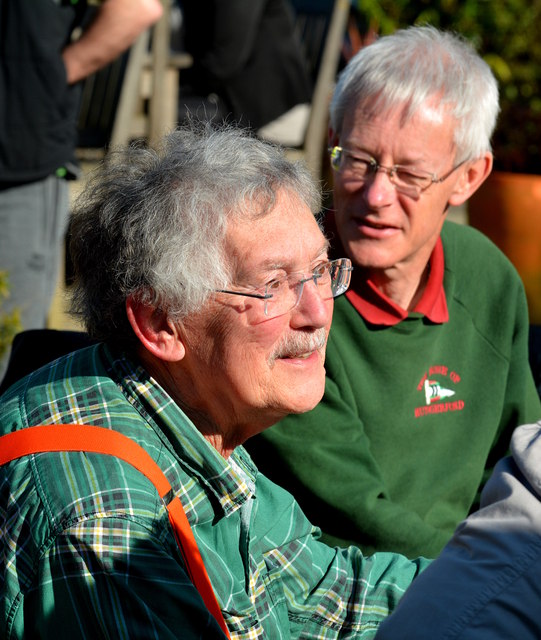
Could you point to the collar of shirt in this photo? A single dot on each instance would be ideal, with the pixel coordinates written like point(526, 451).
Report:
point(375, 307)
point(232, 481)
point(102, 385)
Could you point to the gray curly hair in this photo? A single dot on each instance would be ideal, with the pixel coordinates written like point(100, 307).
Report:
point(151, 223)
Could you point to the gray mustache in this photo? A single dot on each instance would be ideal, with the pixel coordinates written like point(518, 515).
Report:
point(296, 343)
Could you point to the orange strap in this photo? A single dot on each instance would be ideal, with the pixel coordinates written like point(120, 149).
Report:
point(75, 437)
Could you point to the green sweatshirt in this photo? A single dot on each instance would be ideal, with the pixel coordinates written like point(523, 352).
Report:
point(414, 415)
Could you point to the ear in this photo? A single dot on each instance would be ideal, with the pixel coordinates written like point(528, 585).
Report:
point(475, 173)
point(157, 333)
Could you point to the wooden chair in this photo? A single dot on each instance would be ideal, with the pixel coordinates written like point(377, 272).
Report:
point(321, 26)
point(136, 96)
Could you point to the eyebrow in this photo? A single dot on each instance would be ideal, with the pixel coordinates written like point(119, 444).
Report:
point(408, 162)
point(273, 264)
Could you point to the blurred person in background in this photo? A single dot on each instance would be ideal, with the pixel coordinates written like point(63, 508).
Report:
point(41, 68)
point(248, 67)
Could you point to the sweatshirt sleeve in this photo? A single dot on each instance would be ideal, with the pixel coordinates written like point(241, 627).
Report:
point(522, 402)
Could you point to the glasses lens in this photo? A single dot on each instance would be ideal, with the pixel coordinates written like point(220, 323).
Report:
point(406, 181)
point(331, 278)
point(283, 297)
point(340, 272)
point(352, 166)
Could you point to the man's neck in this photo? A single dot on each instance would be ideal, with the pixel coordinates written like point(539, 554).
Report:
point(404, 287)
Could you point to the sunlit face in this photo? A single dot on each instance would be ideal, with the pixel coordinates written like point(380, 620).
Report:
point(250, 374)
point(379, 227)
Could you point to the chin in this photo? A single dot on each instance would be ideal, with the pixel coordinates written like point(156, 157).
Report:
point(306, 402)
point(370, 257)
point(302, 386)
point(308, 407)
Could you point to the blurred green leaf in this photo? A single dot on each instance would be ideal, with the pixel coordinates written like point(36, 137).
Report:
point(10, 323)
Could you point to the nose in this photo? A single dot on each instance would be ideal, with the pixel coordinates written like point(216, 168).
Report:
point(313, 309)
point(378, 190)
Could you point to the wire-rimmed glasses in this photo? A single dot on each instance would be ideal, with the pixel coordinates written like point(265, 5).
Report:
point(280, 295)
point(357, 165)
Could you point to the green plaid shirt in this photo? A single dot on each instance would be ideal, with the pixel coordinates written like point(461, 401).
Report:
point(88, 552)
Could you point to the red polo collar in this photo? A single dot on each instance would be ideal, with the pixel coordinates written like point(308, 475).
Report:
point(375, 307)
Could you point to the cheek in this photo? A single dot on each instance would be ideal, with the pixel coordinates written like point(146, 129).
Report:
point(252, 345)
point(426, 221)
point(344, 189)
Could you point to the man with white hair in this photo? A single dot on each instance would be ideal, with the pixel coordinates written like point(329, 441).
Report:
point(427, 361)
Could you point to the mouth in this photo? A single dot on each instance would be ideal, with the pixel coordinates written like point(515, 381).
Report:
point(374, 229)
point(298, 356)
point(304, 361)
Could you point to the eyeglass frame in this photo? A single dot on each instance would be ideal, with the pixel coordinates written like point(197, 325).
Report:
point(347, 266)
point(374, 167)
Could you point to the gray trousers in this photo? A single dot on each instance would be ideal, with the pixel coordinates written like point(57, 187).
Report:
point(33, 221)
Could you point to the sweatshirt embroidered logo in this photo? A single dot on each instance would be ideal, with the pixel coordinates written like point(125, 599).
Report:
point(437, 385)
point(434, 392)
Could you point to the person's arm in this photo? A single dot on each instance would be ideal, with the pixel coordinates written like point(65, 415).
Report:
point(116, 26)
point(113, 578)
point(330, 593)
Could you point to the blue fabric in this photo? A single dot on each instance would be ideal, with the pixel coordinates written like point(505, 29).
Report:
point(485, 585)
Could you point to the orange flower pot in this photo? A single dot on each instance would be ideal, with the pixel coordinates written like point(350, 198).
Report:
point(507, 208)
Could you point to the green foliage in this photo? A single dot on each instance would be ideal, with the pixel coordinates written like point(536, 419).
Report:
point(10, 323)
point(507, 34)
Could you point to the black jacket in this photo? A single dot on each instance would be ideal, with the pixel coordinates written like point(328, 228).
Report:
point(38, 110)
point(246, 52)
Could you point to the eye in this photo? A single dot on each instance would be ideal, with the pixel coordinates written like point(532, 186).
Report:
point(320, 270)
point(360, 165)
point(274, 285)
point(411, 178)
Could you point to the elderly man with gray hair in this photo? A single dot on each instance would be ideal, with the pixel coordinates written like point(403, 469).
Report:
point(128, 507)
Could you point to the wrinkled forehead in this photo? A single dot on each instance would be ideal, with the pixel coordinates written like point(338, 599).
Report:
point(405, 109)
point(430, 130)
point(286, 236)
